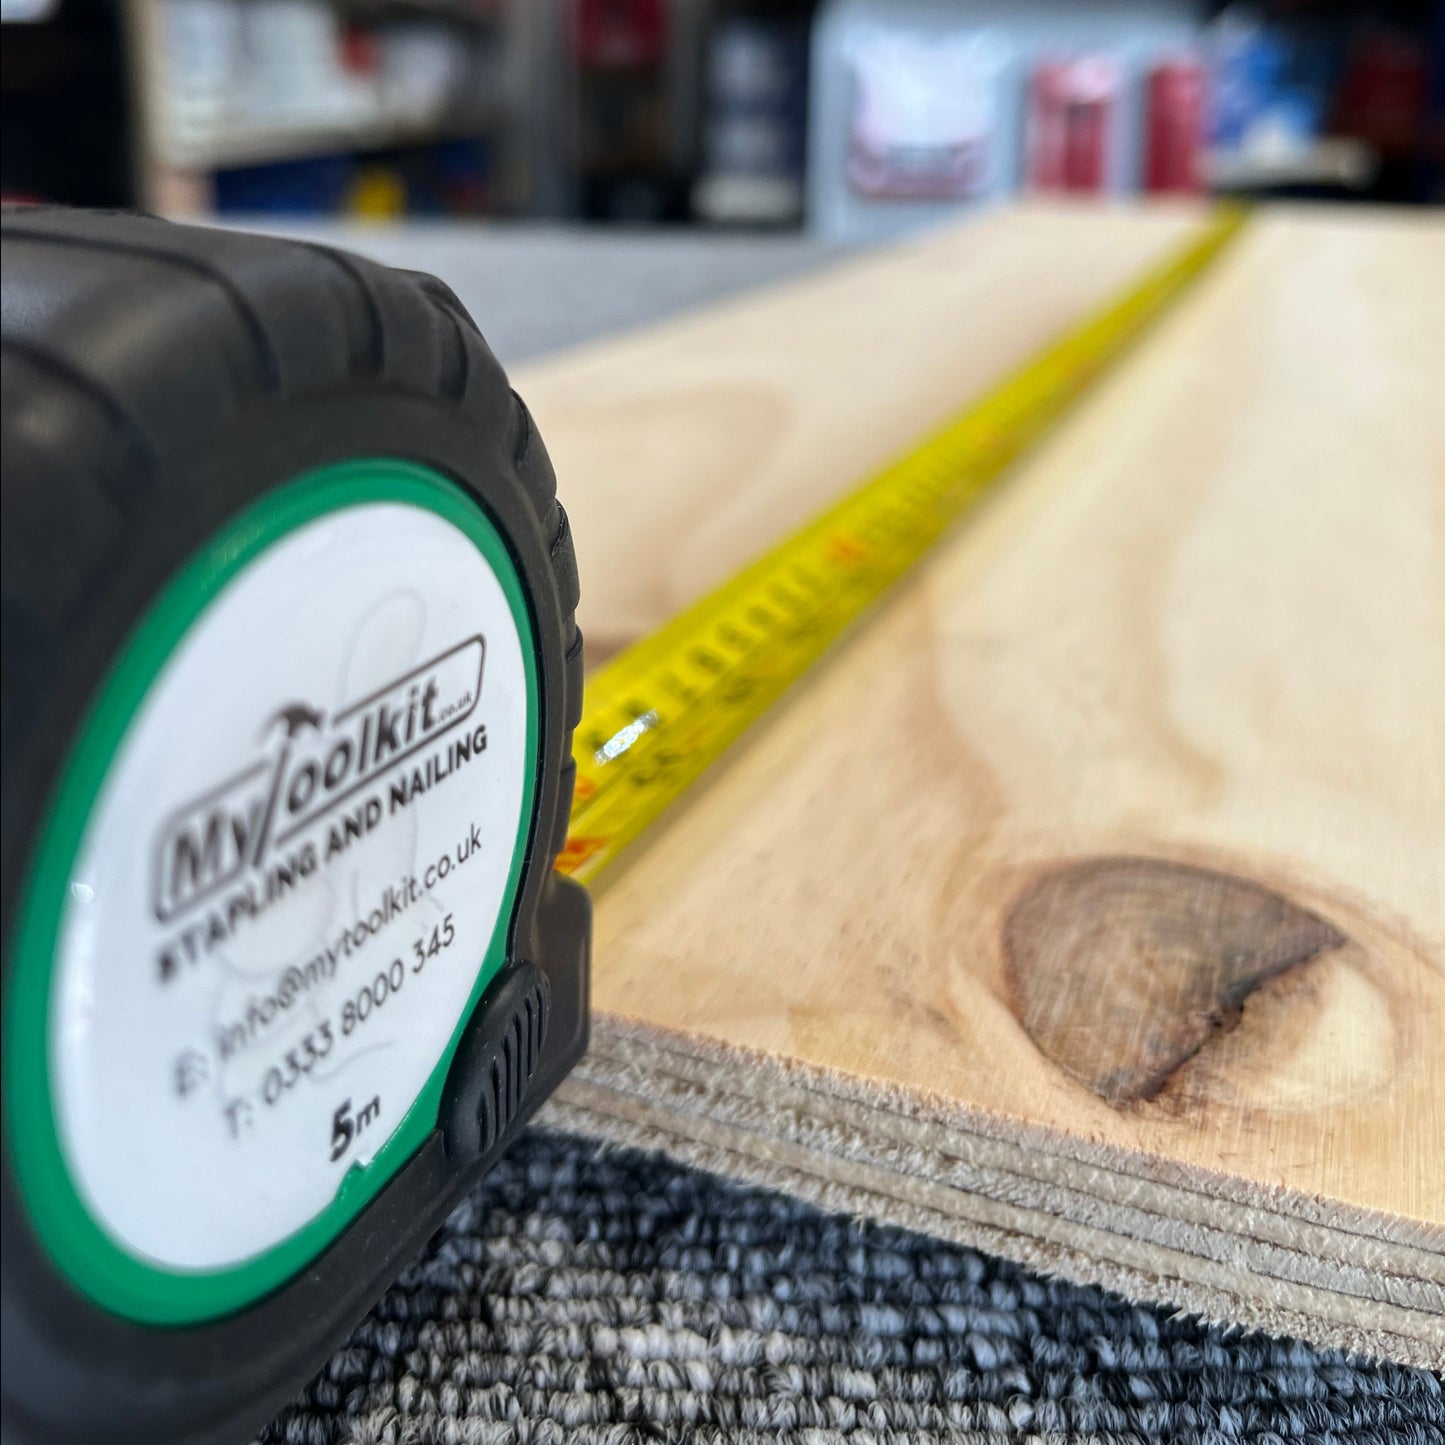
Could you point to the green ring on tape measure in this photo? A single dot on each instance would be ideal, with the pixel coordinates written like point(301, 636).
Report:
point(79, 1245)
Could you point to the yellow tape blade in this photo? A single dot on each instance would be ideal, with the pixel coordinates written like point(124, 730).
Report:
point(657, 716)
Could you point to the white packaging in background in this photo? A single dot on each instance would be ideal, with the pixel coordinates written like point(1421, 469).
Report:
point(926, 115)
point(203, 65)
point(424, 70)
point(295, 68)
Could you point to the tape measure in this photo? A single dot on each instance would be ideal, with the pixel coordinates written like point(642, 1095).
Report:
point(290, 674)
point(661, 713)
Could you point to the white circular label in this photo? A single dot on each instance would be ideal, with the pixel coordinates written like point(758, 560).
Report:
point(288, 884)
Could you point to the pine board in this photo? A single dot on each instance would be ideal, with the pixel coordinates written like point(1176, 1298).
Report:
point(1089, 904)
point(690, 446)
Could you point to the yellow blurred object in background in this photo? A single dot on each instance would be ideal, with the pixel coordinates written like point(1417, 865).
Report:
point(379, 194)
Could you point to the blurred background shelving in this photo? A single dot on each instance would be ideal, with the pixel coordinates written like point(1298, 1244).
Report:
point(850, 117)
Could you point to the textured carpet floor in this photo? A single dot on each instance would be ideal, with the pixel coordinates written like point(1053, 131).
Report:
point(609, 1297)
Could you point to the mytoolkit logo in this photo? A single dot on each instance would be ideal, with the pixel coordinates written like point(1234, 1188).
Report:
point(317, 763)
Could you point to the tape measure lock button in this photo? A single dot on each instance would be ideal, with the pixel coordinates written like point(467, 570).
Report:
point(494, 1068)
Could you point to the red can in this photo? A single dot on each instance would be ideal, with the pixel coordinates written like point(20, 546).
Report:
point(1174, 128)
point(620, 34)
point(1071, 109)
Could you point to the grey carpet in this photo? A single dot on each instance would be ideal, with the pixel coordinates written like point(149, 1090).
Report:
point(606, 1298)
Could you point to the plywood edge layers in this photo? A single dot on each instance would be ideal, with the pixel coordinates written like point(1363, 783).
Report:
point(1225, 1249)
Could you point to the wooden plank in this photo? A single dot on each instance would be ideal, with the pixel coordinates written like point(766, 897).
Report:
point(1090, 904)
point(692, 445)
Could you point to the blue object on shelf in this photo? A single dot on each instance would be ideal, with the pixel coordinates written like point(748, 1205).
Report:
point(313, 187)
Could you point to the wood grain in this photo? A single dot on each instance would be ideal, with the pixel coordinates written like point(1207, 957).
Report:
point(1118, 838)
point(690, 446)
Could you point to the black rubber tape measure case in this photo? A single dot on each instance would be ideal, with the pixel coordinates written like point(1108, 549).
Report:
point(290, 674)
